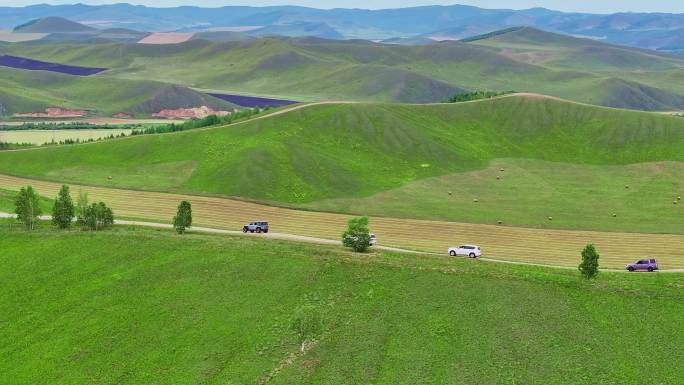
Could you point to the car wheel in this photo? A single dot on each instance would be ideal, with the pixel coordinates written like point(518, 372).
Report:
point(630, 268)
point(650, 270)
point(265, 231)
point(258, 229)
point(452, 253)
point(244, 230)
point(472, 255)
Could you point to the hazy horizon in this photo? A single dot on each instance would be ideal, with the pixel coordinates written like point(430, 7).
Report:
point(607, 6)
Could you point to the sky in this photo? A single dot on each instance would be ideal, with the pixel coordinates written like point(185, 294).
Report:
point(594, 6)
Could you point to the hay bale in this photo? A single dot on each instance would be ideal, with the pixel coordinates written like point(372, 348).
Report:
point(550, 218)
point(500, 222)
point(502, 170)
point(109, 177)
point(476, 200)
point(498, 178)
point(679, 198)
point(450, 193)
point(627, 187)
point(614, 215)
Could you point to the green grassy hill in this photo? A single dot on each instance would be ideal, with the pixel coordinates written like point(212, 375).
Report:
point(536, 46)
point(315, 69)
point(337, 153)
point(30, 91)
point(135, 306)
point(53, 24)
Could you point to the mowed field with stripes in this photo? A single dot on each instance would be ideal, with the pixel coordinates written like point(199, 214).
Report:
point(516, 244)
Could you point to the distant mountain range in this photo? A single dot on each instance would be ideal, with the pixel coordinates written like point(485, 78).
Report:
point(417, 25)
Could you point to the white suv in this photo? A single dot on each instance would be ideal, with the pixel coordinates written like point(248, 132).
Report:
point(466, 251)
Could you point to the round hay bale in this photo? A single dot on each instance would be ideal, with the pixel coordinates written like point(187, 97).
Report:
point(476, 200)
point(500, 222)
point(109, 177)
point(679, 198)
point(502, 170)
point(450, 193)
point(614, 215)
point(550, 218)
point(675, 202)
point(627, 187)
point(498, 178)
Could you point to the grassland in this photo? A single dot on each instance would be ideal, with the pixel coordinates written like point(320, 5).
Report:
point(40, 137)
point(33, 91)
point(315, 69)
point(328, 156)
point(530, 245)
point(134, 306)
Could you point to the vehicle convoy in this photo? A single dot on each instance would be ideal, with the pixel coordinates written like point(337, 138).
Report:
point(643, 265)
point(471, 251)
point(256, 227)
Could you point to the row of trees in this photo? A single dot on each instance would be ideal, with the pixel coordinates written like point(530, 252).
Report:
point(95, 216)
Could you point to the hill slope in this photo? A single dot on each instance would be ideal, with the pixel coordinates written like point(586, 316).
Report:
point(319, 69)
point(31, 91)
point(146, 306)
point(562, 160)
point(53, 24)
point(556, 50)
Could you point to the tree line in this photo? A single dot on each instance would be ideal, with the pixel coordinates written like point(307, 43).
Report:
point(88, 216)
point(477, 95)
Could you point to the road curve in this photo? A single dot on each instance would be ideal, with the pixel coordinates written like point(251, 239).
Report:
point(322, 241)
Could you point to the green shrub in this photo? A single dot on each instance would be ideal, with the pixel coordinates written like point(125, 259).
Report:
point(590, 262)
point(183, 218)
point(357, 235)
point(98, 217)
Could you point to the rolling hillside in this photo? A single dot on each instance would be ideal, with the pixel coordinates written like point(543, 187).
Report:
point(662, 31)
point(316, 155)
point(52, 24)
point(535, 46)
point(525, 60)
point(142, 98)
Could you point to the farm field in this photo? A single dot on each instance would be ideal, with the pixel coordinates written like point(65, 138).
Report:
point(643, 197)
point(91, 120)
point(40, 137)
point(518, 244)
point(253, 101)
point(36, 65)
point(166, 38)
point(137, 306)
point(12, 37)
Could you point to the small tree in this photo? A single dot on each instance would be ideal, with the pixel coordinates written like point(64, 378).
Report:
point(98, 217)
point(357, 235)
point(81, 207)
point(183, 218)
point(63, 209)
point(27, 207)
point(590, 262)
point(307, 323)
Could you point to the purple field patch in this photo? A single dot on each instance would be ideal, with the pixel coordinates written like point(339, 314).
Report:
point(251, 101)
point(36, 65)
